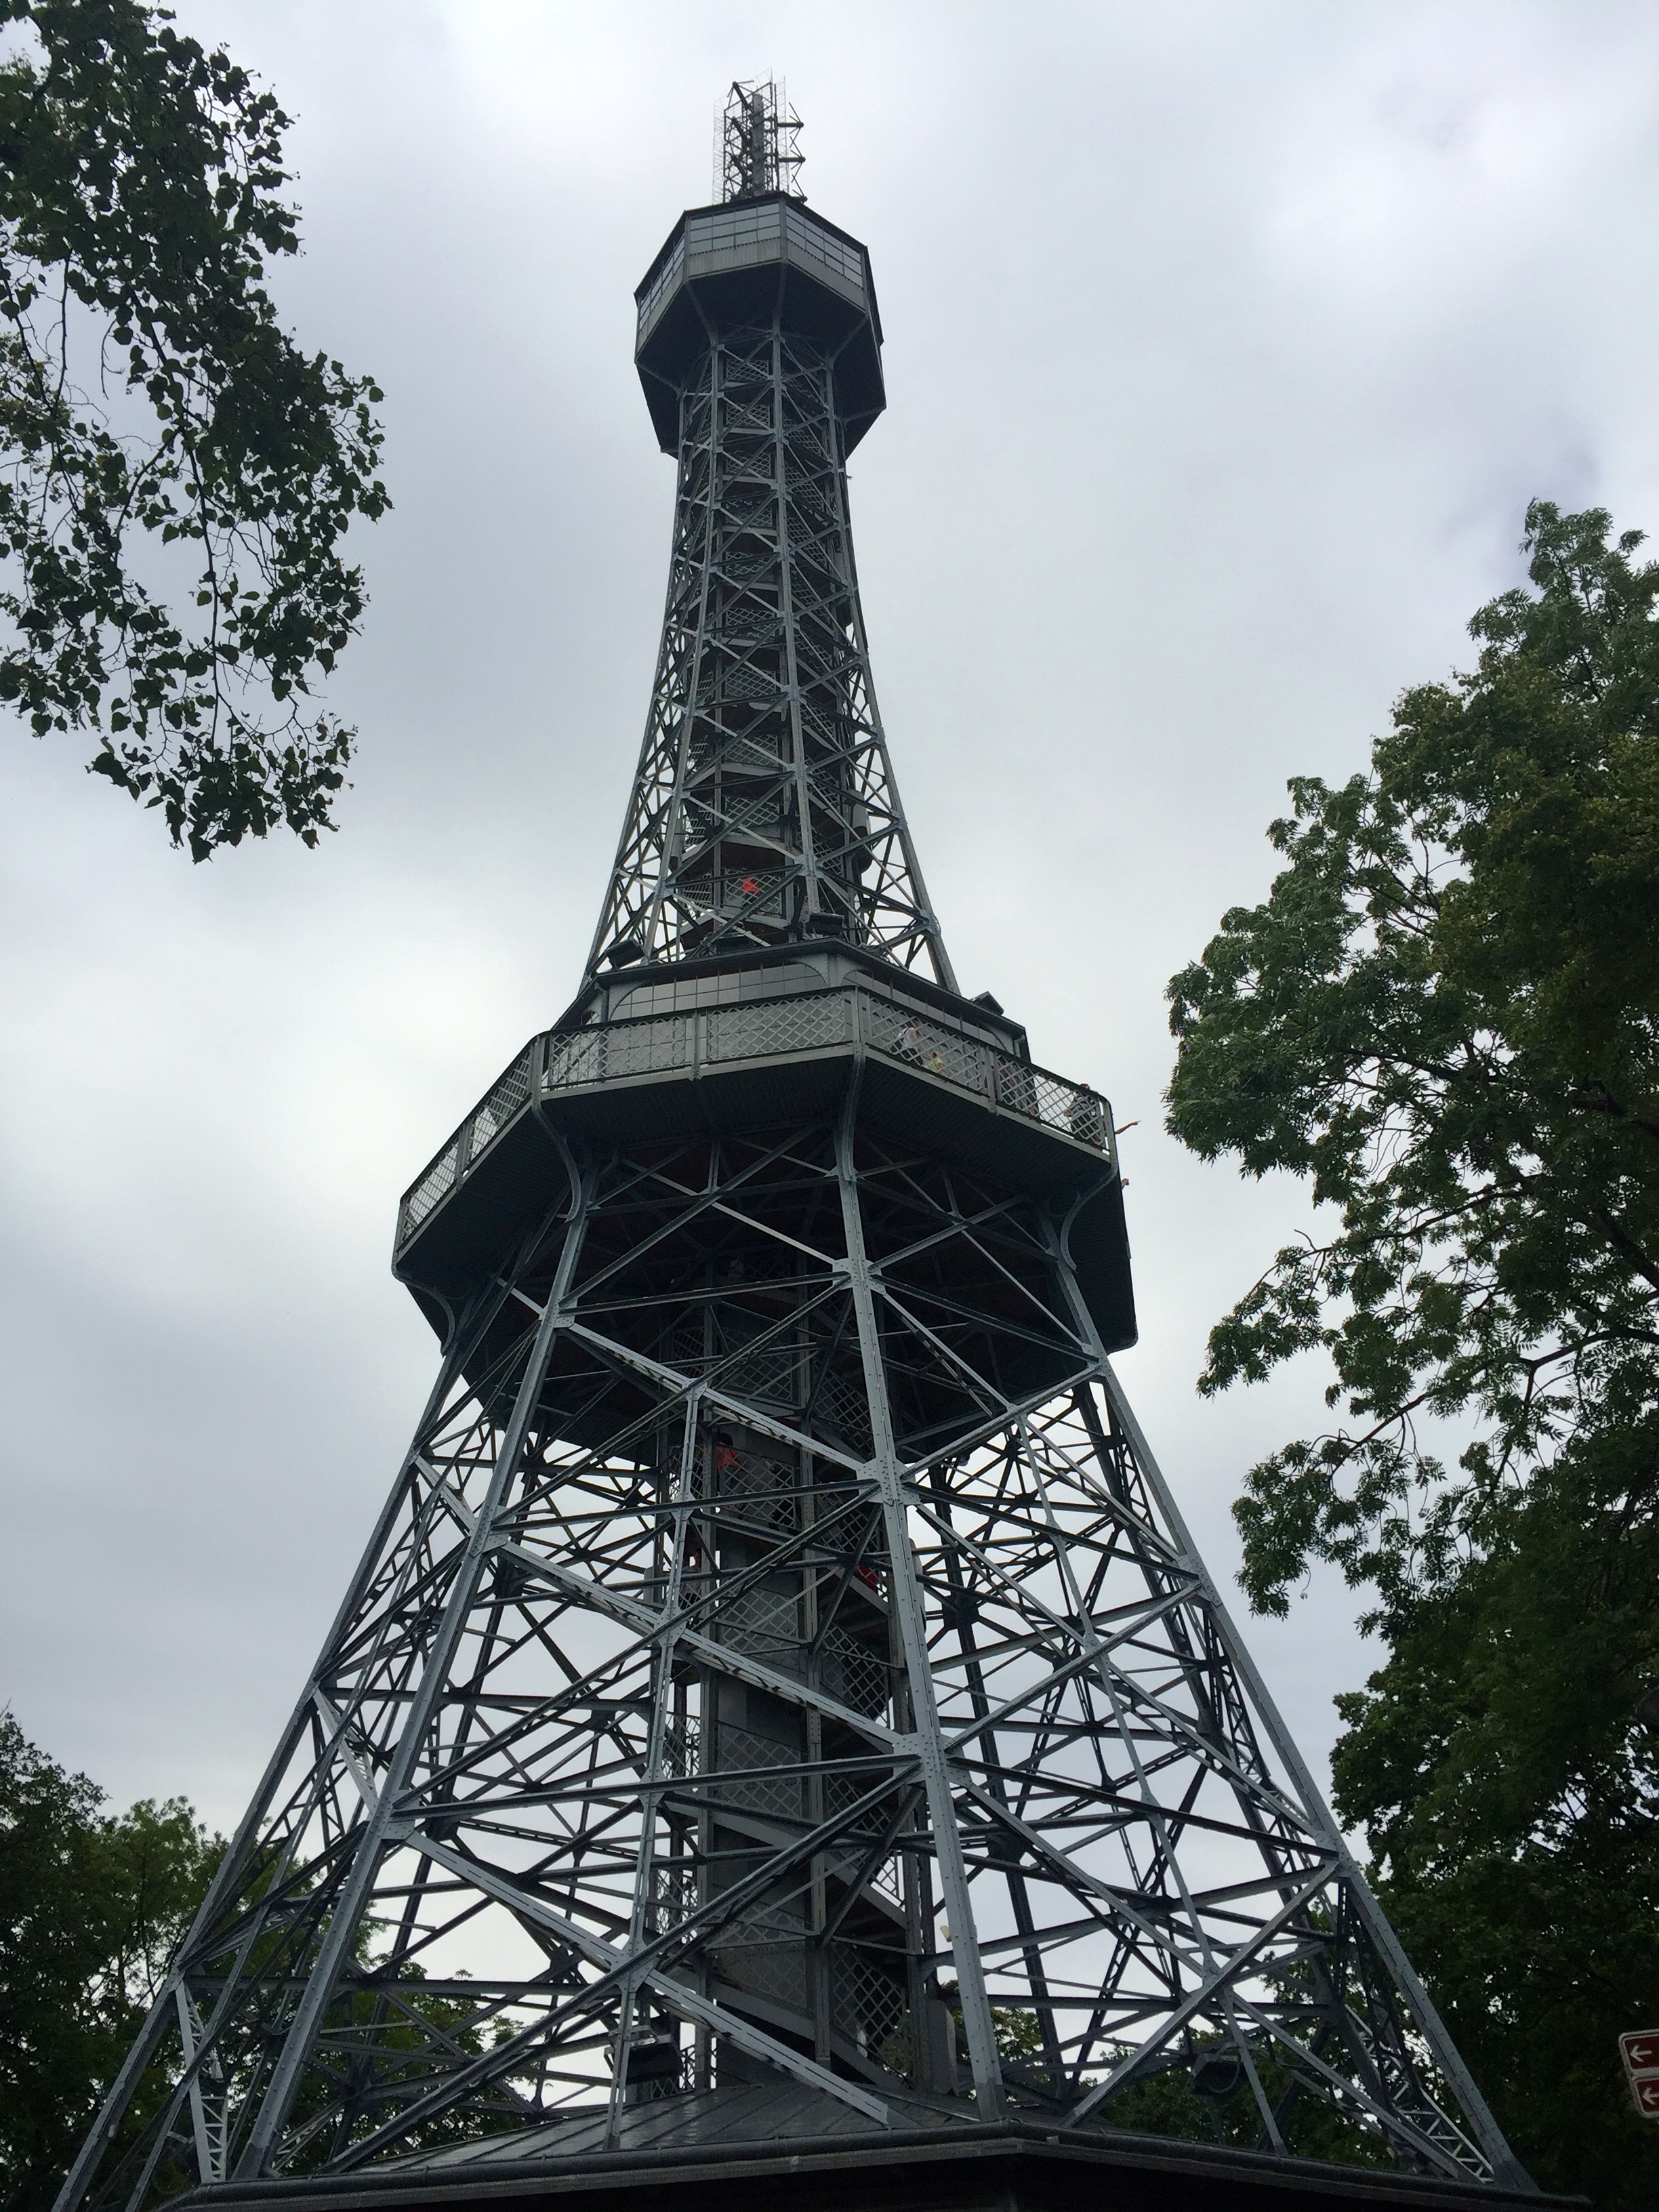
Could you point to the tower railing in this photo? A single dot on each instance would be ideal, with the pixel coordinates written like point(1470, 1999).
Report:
point(846, 1017)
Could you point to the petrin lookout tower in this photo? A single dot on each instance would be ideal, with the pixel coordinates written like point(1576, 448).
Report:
point(780, 1724)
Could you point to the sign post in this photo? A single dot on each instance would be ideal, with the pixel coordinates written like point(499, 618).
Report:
point(1640, 2052)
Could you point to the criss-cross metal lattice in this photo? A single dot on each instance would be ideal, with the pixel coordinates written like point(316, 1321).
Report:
point(758, 143)
point(780, 1660)
point(779, 1649)
point(764, 805)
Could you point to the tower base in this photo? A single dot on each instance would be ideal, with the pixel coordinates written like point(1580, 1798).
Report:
point(725, 2151)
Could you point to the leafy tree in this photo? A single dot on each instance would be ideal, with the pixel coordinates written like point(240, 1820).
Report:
point(1511, 1808)
point(1445, 1018)
point(1017, 2031)
point(1198, 2092)
point(1203, 2095)
point(158, 427)
point(91, 1905)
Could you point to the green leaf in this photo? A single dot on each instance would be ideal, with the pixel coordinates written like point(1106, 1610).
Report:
point(143, 178)
point(1444, 1019)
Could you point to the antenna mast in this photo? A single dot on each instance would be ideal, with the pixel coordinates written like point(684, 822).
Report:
point(759, 144)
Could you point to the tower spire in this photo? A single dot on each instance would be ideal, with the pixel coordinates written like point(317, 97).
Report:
point(759, 141)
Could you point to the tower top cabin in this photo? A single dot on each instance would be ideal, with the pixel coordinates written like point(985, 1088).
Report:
point(758, 255)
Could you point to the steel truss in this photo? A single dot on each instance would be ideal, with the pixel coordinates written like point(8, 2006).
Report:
point(764, 805)
point(758, 143)
point(779, 1653)
point(779, 1660)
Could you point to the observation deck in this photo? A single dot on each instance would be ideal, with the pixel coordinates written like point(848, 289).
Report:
point(743, 262)
point(710, 1046)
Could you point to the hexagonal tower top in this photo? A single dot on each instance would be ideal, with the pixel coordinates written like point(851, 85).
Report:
point(757, 250)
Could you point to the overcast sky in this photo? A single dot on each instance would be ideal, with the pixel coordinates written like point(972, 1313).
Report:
point(1225, 345)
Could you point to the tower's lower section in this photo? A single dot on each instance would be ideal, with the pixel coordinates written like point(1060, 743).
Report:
point(780, 1678)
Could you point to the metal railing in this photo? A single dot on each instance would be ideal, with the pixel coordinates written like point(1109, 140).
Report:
point(848, 1016)
point(501, 1102)
point(758, 1029)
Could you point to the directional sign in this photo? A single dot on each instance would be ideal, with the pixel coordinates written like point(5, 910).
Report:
point(1640, 2052)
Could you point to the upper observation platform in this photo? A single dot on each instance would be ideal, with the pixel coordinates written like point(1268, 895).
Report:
point(770, 1037)
point(754, 262)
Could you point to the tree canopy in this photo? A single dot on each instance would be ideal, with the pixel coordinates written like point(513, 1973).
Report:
point(1445, 1018)
point(175, 473)
point(91, 1905)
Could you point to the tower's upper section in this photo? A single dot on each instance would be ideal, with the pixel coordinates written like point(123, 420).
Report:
point(764, 811)
point(760, 253)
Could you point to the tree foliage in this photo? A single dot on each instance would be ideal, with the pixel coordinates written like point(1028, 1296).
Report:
point(91, 1905)
point(158, 428)
point(1498, 1762)
point(1445, 1017)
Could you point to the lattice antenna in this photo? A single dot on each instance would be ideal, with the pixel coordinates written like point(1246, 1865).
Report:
point(759, 141)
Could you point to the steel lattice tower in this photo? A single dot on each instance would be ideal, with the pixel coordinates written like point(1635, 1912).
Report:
point(780, 1702)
